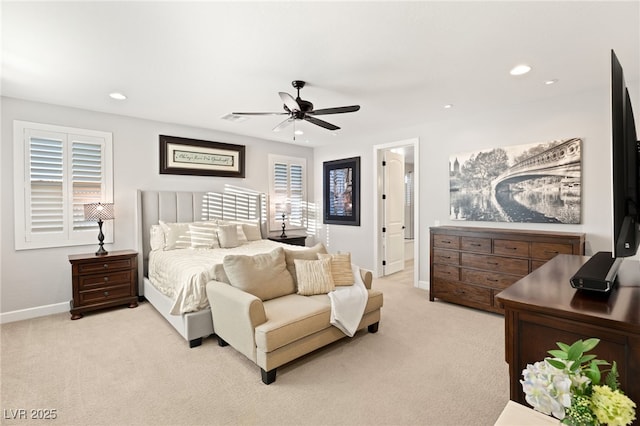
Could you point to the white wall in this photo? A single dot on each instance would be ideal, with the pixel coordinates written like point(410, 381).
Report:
point(585, 115)
point(33, 279)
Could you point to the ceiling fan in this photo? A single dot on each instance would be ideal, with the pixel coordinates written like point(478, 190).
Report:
point(299, 109)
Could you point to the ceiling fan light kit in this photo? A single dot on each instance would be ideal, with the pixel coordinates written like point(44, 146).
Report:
point(300, 109)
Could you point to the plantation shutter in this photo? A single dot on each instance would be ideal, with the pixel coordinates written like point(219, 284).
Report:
point(287, 191)
point(46, 185)
point(58, 170)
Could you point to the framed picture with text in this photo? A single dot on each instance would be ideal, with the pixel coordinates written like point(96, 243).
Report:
point(341, 192)
point(181, 156)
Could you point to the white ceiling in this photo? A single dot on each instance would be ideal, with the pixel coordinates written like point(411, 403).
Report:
point(192, 63)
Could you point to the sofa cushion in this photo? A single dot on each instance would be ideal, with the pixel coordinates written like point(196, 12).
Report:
point(263, 275)
point(291, 318)
point(310, 253)
point(340, 267)
point(314, 276)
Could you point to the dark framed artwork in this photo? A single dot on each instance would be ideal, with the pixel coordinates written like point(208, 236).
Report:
point(341, 192)
point(182, 156)
point(533, 183)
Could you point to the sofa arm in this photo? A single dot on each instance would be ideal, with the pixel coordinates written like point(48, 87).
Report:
point(235, 315)
point(367, 277)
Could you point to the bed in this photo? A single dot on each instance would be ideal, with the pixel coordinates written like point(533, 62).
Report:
point(179, 303)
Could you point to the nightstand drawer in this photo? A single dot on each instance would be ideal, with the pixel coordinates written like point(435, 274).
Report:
point(93, 267)
point(105, 294)
point(89, 282)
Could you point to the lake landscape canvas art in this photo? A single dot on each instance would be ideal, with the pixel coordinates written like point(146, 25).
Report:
point(534, 183)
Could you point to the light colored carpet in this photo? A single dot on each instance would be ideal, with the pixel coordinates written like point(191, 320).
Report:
point(431, 363)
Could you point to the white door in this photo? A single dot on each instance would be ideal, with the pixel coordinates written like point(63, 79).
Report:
point(393, 212)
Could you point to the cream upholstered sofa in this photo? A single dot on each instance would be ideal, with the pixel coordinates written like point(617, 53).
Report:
point(257, 307)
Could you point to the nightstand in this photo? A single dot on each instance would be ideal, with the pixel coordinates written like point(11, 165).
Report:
point(103, 281)
point(296, 240)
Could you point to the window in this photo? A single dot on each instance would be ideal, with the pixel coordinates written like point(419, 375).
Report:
point(57, 171)
point(287, 192)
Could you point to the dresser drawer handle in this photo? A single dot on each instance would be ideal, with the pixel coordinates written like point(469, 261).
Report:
point(511, 248)
point(106, 279)
point(492, 280)
point(476, 245)
point(493, 263)
point(106, 294)
point(105, 266)
point(446, 241)
point(552, 251)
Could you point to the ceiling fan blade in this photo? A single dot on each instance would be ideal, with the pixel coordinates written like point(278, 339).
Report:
point(289, 101)
point(336, 110)
point(321, 123)
point(259, 113)
point(284, 124)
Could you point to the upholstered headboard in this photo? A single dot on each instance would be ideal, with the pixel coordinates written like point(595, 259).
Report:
point(178, 206)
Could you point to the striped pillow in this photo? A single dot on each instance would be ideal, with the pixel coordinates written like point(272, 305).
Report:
point(340, 267)
point(314, 276)
point(203, 235)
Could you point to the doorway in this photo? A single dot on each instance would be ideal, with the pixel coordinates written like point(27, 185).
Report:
point(410, 182)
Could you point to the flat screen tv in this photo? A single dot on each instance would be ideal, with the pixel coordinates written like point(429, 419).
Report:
point(599, 273)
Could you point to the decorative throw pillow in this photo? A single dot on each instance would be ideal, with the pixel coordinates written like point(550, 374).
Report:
point(263, 275)
point(252, 231)
point(242, 238)
point(340, 267)
point(228, 236)
point(310, 253)
point(156, 237)
point(314, 276)
point(203, 235)
point(176, 235)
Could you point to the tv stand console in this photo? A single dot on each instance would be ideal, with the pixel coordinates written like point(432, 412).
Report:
point(542, 309)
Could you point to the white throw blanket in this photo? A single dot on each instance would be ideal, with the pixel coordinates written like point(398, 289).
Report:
point(348, 303)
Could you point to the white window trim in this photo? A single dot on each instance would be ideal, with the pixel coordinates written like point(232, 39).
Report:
point(21, 160)
point(275, 221)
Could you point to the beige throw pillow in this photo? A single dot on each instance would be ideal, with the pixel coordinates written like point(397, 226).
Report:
point(314, 276)
point(305, 254)
point(263, 275)
point(252, 231)
point(340, 267)
point(228, 236)
point(156, 237)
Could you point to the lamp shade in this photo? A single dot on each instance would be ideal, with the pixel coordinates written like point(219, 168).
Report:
point(98, 211)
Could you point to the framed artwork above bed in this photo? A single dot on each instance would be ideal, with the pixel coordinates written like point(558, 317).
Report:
point(182, 156)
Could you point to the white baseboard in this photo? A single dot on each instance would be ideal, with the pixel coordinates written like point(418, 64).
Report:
point(423, 285)
point(29, 313)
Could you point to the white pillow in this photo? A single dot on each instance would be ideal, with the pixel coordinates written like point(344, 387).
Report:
point(228, 236)
point(242, 238)
point(156, 237)
point(204, 235)
point(252, 231)
point(176, 235)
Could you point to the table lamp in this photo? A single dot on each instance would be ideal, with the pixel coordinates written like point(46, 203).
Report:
point(99, 212)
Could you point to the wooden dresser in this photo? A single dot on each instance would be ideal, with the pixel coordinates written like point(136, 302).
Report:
point(470, 266)
point(103, 281)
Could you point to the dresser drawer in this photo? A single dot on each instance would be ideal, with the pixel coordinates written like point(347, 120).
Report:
point(489, 279)
point(446, 256)
point(547, 251)
point(88, 282)
point(105, 294)
point(507, 265)
point(93, 267)
point(446, 241)
point(511, 247)
point(470, 295)
point(446, 272)
point(478, 245)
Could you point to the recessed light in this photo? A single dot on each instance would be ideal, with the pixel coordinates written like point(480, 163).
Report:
point(448, 106)
point(299, 132)
point(550, 82)
point(520, 69)
point(117, 96)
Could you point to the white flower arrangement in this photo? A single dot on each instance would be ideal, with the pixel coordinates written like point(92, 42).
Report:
point(568, 387)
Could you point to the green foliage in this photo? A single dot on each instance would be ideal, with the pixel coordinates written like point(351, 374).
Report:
point(574, 359)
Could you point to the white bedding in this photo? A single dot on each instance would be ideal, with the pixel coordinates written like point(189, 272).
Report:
point(183, 274)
